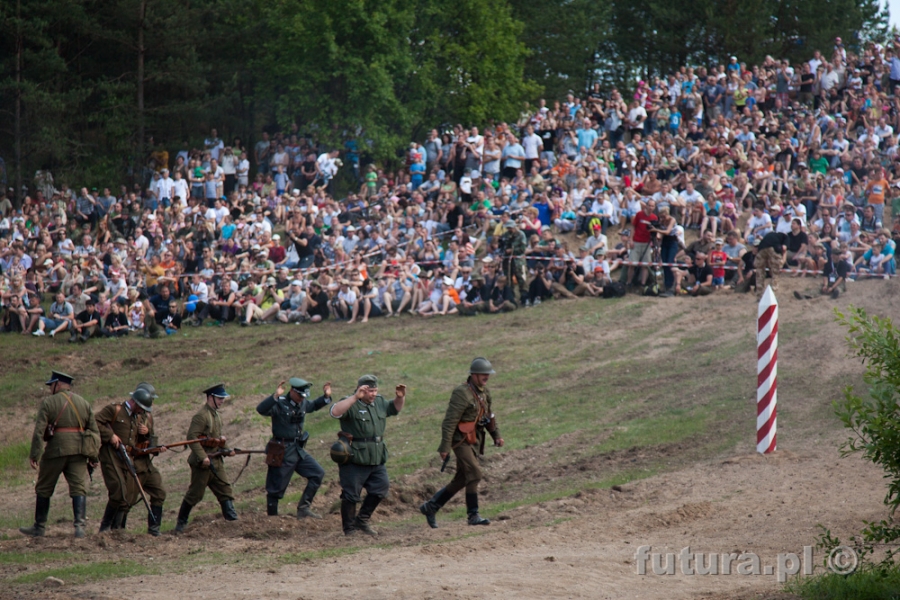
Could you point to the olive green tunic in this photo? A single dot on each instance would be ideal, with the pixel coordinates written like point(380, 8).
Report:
point(366, 423)
point(206, 422)
point(463, 407)
point(63, 454)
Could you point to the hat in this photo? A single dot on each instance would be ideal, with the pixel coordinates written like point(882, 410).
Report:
point(121, 241)
point(276, 237)
point(60, 377)
point(719, 241)
point(509, 224)
point(299, 384)
point(601, 251)
point(296, 282)
point(296, 192)
point(271, 281)
point(477, 277)
point(756, 242)
point(48, 263)
point(625, 232)
point(598, 268)
point(447, 280)
point(349, 228)
point(369, 380)
point(217, 390)
point(597, 226)
point(487, 260)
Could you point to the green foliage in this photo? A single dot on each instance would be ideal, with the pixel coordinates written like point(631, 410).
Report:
point(861, 585)
point(874, 421)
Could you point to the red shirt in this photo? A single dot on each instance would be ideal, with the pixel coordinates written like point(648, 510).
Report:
point(641, 222)
point(717, 256)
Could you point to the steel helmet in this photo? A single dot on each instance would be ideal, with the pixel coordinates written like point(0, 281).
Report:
point(143, 399)
point(146, 386)
point(481, 366)
point(341, 452)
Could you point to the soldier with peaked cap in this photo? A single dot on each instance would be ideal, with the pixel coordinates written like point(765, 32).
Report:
point(130, 423)
point(286, 447)
point(468, 416)
point(73, 442)
point(205, 471)
point(363, 417)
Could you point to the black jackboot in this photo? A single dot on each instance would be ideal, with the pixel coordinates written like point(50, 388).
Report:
point(271, 506)
point(41, 510)
point(437, 502)
point(472, 510)
point(79, 508)
point(348, 516)
point(154, 520)
point(124, 518)
point(183, 513)
point(365, 513)
point(303, 507)
point(228, 510)
point(108, 515)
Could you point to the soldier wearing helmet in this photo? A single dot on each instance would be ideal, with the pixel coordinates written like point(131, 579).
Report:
point(363, 417)
point(285, 452)
point(468, 416)
point(130, 423)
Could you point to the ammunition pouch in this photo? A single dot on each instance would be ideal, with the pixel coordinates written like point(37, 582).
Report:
point(274, 453)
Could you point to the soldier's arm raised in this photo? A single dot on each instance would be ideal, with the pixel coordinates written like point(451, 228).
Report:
point(341, 407)
point(265, 407)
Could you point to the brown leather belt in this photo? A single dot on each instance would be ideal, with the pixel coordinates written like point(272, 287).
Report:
point(68, 430)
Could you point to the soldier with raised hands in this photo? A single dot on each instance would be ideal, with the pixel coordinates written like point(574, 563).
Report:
point(469, 415)
point(363, 418)
point(285, 452)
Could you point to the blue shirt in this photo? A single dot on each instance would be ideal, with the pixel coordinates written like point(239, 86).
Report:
point(675, 120)
point(895, 68)
point(586, 138)
point(510, 150)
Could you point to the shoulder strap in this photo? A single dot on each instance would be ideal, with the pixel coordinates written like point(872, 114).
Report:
point(59, 414)
point(75, 410)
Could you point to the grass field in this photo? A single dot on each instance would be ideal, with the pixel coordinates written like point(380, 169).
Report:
point(588, 394)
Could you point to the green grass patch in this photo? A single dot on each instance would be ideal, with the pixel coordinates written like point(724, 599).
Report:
point(862, 585)
point(14, 457)
point(25, 558)
point(90, 572)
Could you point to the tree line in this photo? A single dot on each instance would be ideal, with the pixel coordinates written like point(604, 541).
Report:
point(89, 87)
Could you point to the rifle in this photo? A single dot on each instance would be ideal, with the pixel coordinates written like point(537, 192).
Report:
point(226, 452)
point(144, 450)
point(123, 454)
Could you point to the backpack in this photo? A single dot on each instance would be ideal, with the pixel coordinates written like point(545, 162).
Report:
point(614, 289)
point(651, 289)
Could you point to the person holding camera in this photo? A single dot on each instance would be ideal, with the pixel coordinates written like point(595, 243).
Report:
point(285, 452)
point(265, 305)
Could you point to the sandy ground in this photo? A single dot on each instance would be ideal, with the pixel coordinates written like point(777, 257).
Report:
point(578, 547)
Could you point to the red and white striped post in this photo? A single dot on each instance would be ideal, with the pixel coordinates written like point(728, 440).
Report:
point(766, 372)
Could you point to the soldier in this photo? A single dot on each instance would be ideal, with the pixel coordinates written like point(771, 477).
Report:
point(468, 417)
point(206, 472)
point(514, 244)
point(73, 442)
point(363, 417)
point(130, 423)
point(288, 438)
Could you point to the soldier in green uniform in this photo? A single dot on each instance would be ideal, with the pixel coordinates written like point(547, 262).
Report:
point(206, 472)
point(74, 442)
point(469, 411)
point(514, 244)
point(130, 423)
point(288, 415)
point(363, 417)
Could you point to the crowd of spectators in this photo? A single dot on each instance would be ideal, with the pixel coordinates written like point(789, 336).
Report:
point(582, 192)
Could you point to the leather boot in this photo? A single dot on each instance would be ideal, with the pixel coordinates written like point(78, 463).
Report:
point(124, 518)
point(271, 506)
point(365, 513)
point(79, 508)
point(437, 502)
point(183, 513)
point(117, 519)
point(108, 514)
point(303, 508)
point(228, 510)
point(472, 510)
point(154, 520)
point(348, 516)
point(41, 510)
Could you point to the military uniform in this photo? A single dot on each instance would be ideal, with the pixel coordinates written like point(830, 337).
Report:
point(469, 407)
point(364, 425)
point(67, 453)
point(288, 418)
point(123, 421)
point(513, 264)
point(206, 422)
